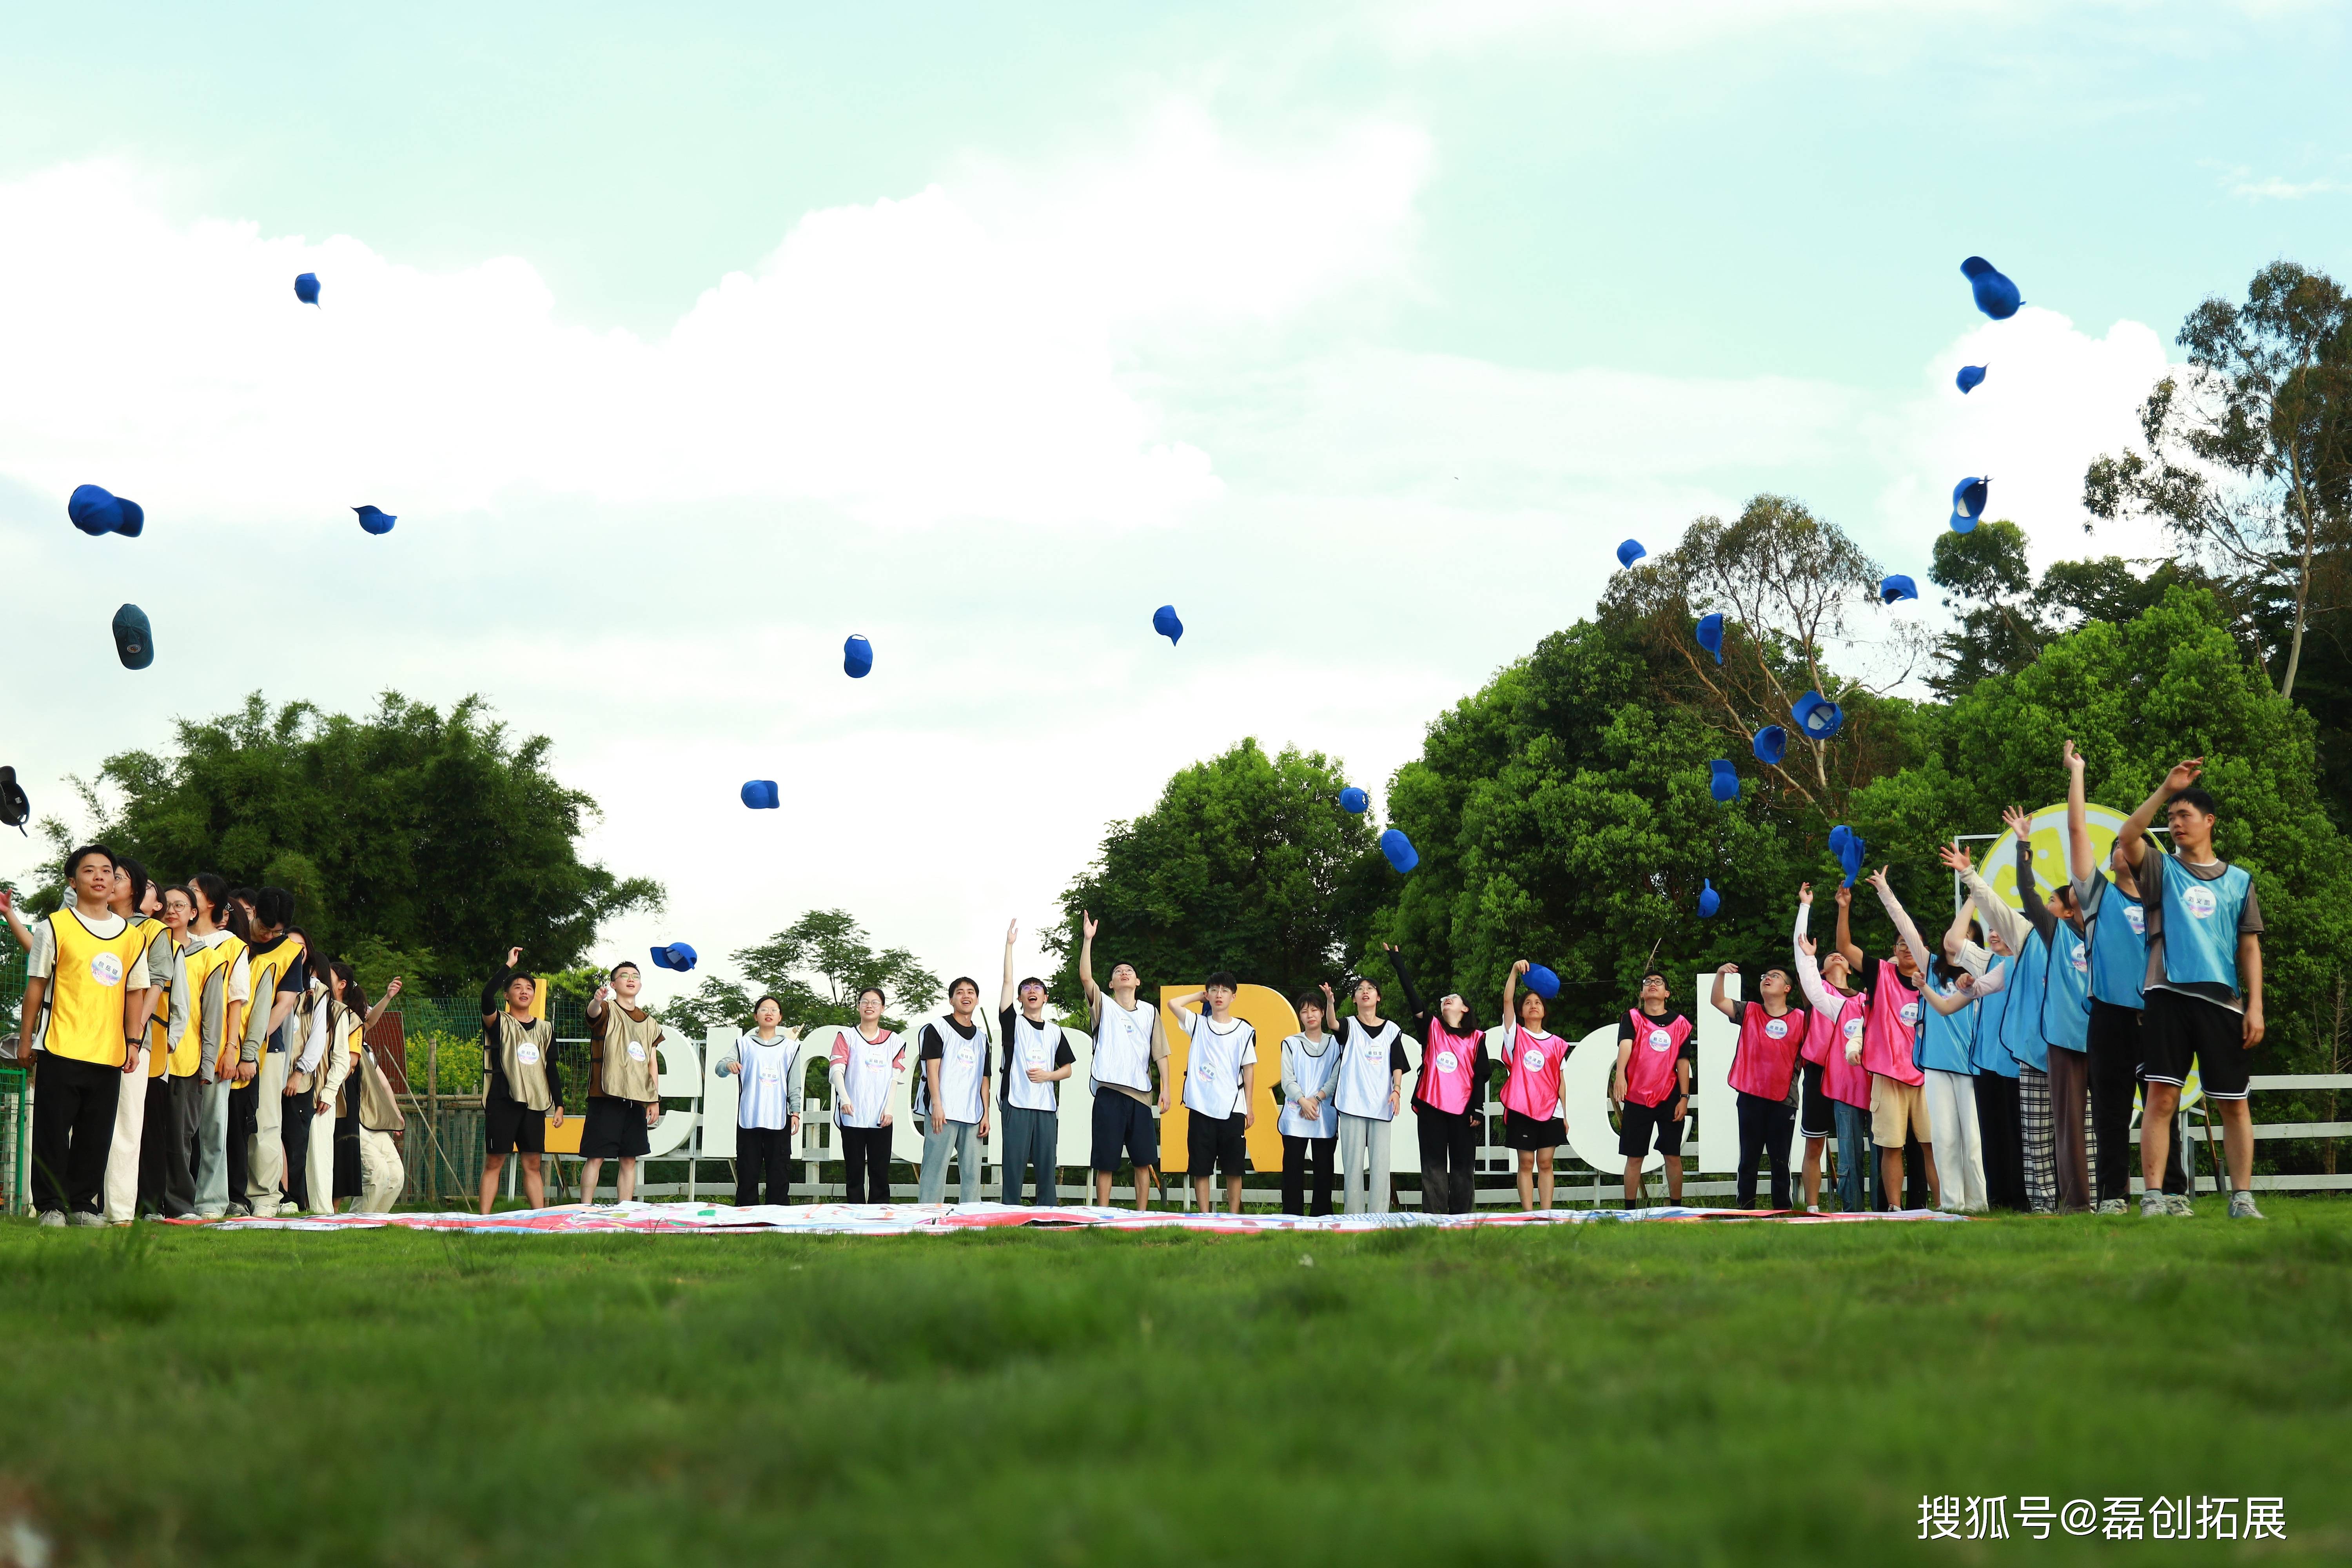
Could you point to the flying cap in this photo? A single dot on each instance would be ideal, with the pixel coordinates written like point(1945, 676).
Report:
point(1771, 744)
point(1849, 847)
point(1898, 586)
point(677, 955)
point(375, 519)
point(1996, 296)
point(856, 657)
point(1630, 552)
point(306, 288)
point(1709, 901)
point(1541, 980)
point(96, 511)
point(1164, 622)
point(134, 639)
point(1725, 784)
point(1972, 376)
point(1400, 850)
point(1354, 801)
point(760, 794)
point(15, 809)
point(1817, 716)
point(1969, 498)
point(1710, 635)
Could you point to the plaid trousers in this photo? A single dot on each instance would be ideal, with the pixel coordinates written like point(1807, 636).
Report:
point(2039, 1137)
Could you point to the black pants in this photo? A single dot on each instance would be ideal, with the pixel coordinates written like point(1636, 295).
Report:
point(1449, 1152)
point(866, 1158)
point(294, 1136)
point(244, 1120)
point(767, 1152)
point(1765, 1128)
point(167, 1182)
point(2002, 1143)
point(73, 1125)
point(1299, 1155)
point(2113, 1048)
point(347, 1145)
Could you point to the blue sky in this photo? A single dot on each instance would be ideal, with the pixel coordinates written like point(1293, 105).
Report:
point(984, 329)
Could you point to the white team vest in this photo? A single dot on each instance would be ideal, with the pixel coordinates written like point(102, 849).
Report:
point(963, 1065)
point(1363, 1088)
point(1032, 1046)
point(1123, 1046)
point(1212, 1074)
point(1314, 1072)
point(769, 1078)
point(865, 1076)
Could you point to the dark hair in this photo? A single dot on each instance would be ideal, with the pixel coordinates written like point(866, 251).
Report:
point(138, 875)
point(1224, 977)
point(273, 907)
point(1662, 978)
point(1310, 997)
point(878, 994)
point(241, 895)
point(2199, 796)
point(1026, 982)
point(74, 860)
point(184, 890)
point(353, 997)
point(624, 964)
point(211, 887)
point(1945, 970)
point(777, 1000)
point(963, 980)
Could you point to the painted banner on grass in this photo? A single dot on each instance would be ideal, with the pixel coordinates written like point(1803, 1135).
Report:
point(947, 1219)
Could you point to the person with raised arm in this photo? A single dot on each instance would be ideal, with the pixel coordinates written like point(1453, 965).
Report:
point(1837, 1019)
point(865, 1062)
point(1220, 1083)
point(1368, 1095)
point(1447, 1095)
point(1037, 1056)
point(623, 1083)
point(1945, 1039)
point(1128, 1072)
point(2061, 1012)
point(951, 1099)
point(1309, 1122)
point(767, 1105)
point(1899, 1102)
point(1764, 1076)
point(521, 1085)
point(2203, 987)
point(1534, 1119)
point(1651, 1085)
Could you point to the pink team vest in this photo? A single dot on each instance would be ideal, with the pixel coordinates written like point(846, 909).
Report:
point(1446, 1066)
point(1533, 1087)
point(1848, 1083)
point(1764, 1060)
point(1650, 1077)
point(1893, 1021)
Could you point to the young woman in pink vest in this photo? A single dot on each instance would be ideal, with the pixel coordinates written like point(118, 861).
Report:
point(1898, 1101)
point(1447, 1096)
point(1837, 1020)
point(1650, 1086)
point(1534, 1122)
point(1764, 1076)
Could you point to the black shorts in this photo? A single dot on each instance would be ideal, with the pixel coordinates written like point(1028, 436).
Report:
point(1638, 1126)
point(616, 1130)
point(1815, 1118)
point(508, 1126)
point(1215, 1140)
point(2176, 1029)
point(1123, 1121)
point(1522, 1132)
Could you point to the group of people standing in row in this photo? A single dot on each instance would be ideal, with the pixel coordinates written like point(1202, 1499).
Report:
point(186, 1049)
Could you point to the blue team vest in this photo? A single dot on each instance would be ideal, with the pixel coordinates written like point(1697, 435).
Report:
point(1944, 1040)
point(2118, 949)
point(1987, 1051)
point(2021, 1024)
point(2066, 989)
point(2201, 925)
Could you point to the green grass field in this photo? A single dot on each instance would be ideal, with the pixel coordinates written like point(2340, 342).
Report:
point(1609, 1393)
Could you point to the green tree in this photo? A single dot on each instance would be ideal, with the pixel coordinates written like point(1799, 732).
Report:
point(1245, 863)
point(408, 838)
point(831, 945)
point(714, 1004)
point(2000, 625)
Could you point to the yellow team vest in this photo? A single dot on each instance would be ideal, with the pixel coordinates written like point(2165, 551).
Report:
point(267, 969)
point(208, 970)
point(628, 1054)
point(522, 1058)
point(86, 989)
point(159, 1030)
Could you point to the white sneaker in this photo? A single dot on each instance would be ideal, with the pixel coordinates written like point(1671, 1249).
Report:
point(86, 1221)
point(2179, 1205)
point(53, 1219)
point(2109, 1206)
point(2152, 1205)
point(2241, 1205)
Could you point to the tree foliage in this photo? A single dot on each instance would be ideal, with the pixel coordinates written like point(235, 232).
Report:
point(814, 968)
point(413, 842)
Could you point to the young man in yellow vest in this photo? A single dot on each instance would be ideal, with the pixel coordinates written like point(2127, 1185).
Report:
point(139, 901)
point(84, 1009)
point(521, 1083)
point(280, 976)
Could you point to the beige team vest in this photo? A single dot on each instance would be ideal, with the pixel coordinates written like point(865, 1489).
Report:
point(379, 1107)
point(629, 1074)
point(298, 1023)
point(527, 1081)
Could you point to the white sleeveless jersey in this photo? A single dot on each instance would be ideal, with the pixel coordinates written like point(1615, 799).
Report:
point(1364, 1063)
point(963, 1069)
point(1213, 1070)
point(1032, 1046)
point(770, 1081)
point(1313, 1072)
point(868, 1067)
point(1123, 1044)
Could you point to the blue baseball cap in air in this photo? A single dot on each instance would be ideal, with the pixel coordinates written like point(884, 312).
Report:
point(856, 657)
point(1725, 784)
point(760, 794)
point(1996, 296)
point(96, 510)
point(1771, 744)
point(677, 955)
point(1541, 980)
point(134, 639)
point(1898, 586)
point(1630, 552)
point(1400, 850)
point(1710, 635)
point(1969, 498)
point(375, 519)
point(1354, 801)
point(306, 288)
point(1164, 622)
point(1972, 376)
point(1817, 716)
point(1709, 901)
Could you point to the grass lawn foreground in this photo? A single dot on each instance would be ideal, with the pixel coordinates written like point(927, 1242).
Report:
point(1606, 1393)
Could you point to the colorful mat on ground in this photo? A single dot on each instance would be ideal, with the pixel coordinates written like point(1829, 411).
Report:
point(949, 1219)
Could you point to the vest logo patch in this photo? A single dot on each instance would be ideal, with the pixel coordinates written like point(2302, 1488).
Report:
point(1776, 1029)
point(1532, 1061)
point(1660, 1040)
point(1908, 1013)
point(528, 1055)
point(1853, 1028)
point(636, 1050)
point(2081, 959)
point(2136, 918)
point(966, 1054)
point(2200, 902)
point(1370, 1055)
point(1447, 1061)
point(106, 969)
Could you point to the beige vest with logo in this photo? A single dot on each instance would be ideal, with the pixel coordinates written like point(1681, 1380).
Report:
point(379, 1107)
point(527, 1081)
point(628, 1052)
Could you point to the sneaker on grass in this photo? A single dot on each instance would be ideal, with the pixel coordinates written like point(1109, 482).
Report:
point(53, 1219)
point(87, 1220)
point(2179, 1205)
point(2109, 1206)
point(2153, 1206)
point(2241, 1205)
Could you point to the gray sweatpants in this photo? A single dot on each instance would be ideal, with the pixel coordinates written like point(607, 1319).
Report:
point(1032, 1137)
point(1364, 1164)
point(211, 1149)
point(963, 1138)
